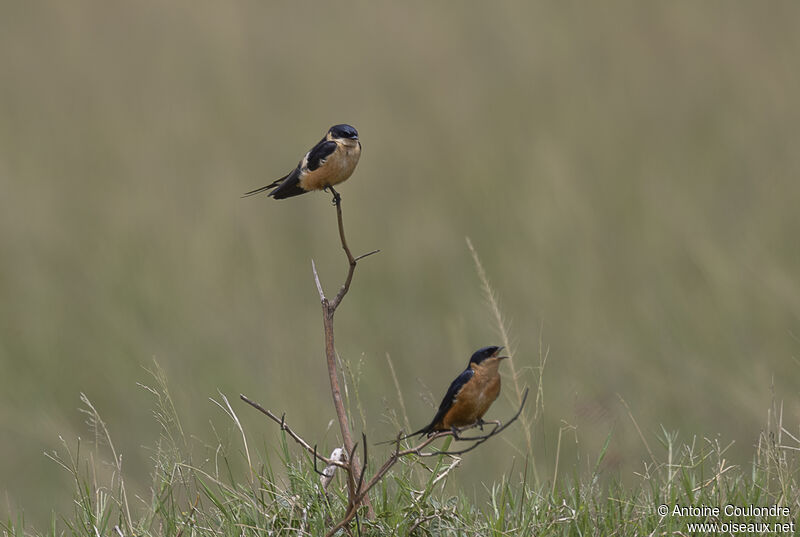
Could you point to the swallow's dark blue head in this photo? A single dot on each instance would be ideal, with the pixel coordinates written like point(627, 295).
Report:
point(343, 131)
point(482, 354)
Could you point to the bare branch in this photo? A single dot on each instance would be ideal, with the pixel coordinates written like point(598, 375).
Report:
point(356, 481)
point(351, 513)
point(316, 280)
point(418, 449)
point(282, 423)
point(328, 310)
point(363, 466)
point(316, 470)
point(350, 259)
point(498, 428)
point(480, 439)
point(358, 486)
point(362, 256)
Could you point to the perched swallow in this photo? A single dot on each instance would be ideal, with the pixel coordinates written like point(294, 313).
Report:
point(328, 163)
point(470, 395)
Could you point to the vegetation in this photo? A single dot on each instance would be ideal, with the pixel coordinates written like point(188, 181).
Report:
point(231, 487)
point(628, 174)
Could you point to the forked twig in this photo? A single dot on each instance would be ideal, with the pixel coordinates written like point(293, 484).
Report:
point(328, 311)
point(297, 438)
point(361, 492)
point(358, 487)
point(355, 469)
point(350, 259)
point(498, 428)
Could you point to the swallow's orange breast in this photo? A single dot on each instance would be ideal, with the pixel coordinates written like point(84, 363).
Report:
point(336, 168)
point(474, 399)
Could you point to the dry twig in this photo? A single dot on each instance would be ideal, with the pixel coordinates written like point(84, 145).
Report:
point(357, 486)
point(353, 466)
point(282, 423)
point(328, 310)
point(418, 451)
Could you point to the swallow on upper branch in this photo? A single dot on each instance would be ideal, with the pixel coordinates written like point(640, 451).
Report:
point(326, 164)
point(470, 395)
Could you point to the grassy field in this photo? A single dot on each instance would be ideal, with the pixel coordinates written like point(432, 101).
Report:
point(628, 175)
point(235, 487)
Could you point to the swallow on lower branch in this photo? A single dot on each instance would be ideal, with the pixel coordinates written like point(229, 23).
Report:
point(470, 395)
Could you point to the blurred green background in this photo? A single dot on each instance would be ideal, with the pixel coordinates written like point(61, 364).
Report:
point(628, 174)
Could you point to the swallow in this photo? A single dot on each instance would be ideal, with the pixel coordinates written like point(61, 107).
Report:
point(326, 164)
point(470, 395)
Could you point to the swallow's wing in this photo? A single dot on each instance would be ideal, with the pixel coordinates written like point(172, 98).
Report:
point(316, 157)
point(450, 396)
point(289, 185)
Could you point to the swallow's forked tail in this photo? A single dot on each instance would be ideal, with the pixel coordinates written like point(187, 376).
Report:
point(424, 430)
point(256, 191)
point(273, 184)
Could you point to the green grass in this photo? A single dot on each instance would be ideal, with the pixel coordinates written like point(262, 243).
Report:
point(230, 488)
point(233, 487)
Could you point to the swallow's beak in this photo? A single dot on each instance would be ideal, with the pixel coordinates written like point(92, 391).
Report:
point(498, 352)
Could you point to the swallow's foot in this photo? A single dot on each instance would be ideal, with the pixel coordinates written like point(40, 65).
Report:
point(480, 423)
point(455, 432)
point(337, 199)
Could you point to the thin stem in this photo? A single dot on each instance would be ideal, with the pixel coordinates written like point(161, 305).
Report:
point(328, 311)
point(417, 450)
point(350, 259)
point(336, 392)
point(282, 422)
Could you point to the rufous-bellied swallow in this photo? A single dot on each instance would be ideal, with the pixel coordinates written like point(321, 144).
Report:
point(326, 164)
point(470, 395)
